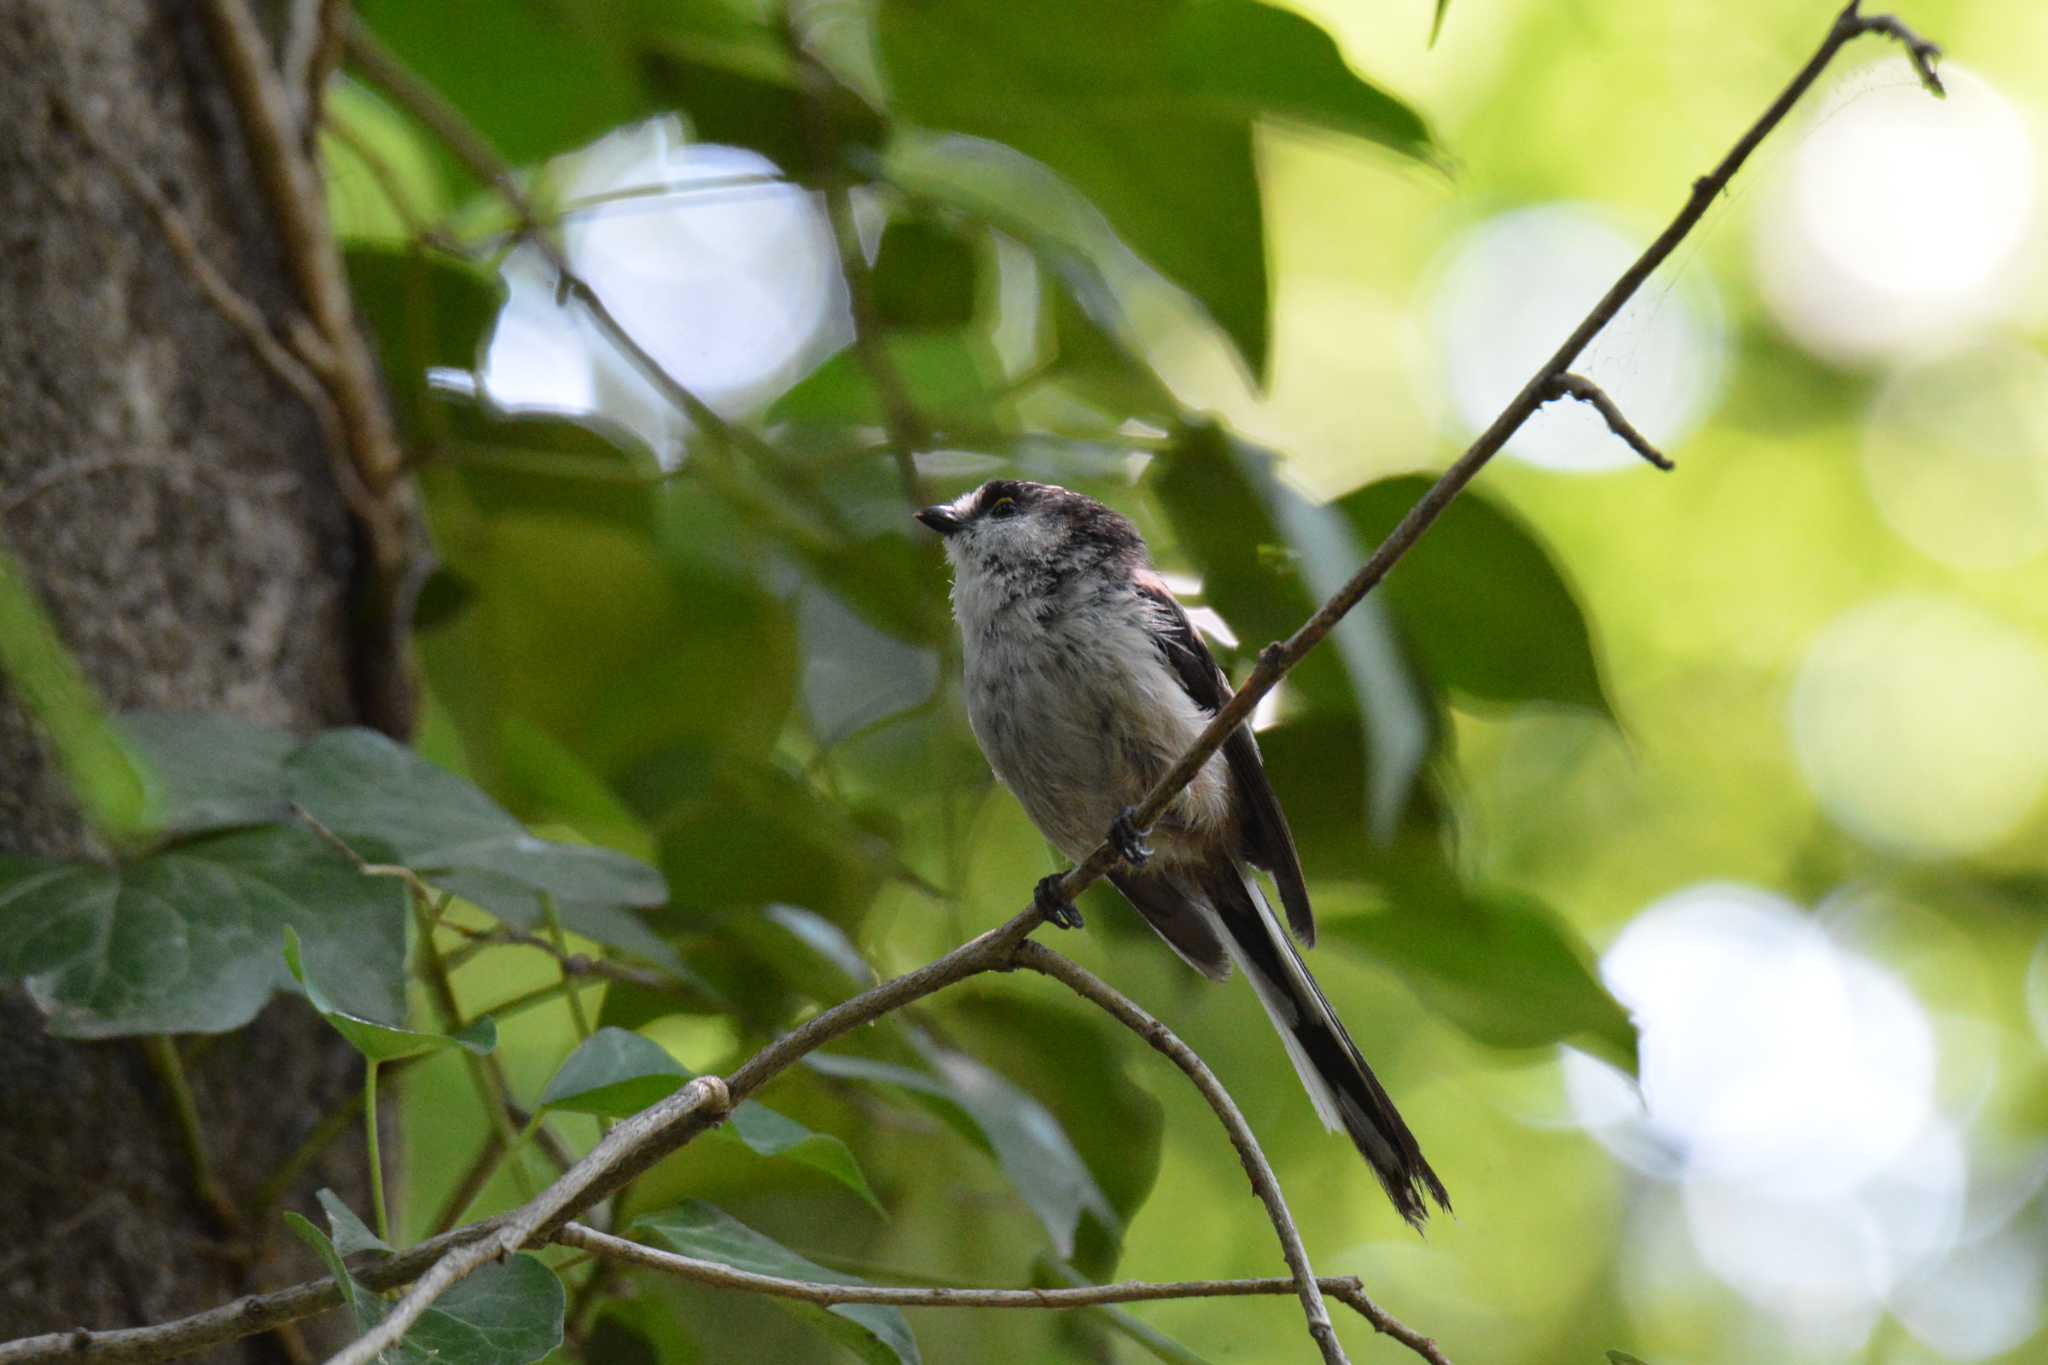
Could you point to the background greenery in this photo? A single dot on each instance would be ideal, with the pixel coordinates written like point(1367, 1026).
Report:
point(1212, 296)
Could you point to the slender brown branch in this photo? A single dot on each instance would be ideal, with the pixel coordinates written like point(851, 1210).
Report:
point(1078, 979)
point(244, 1317)
point(1345, 1288)
point(1577, 386)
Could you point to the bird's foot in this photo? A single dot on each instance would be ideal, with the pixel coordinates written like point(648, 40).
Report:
point(1050, 902)
point(1128, 839)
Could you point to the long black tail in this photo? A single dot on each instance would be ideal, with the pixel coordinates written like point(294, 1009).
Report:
point(1341, 1086)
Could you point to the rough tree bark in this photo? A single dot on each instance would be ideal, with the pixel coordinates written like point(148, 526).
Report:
point(170, 500)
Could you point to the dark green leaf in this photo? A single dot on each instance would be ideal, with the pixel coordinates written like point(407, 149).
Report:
point(1614, 1357)
point(751, 835)
point(506, 1313)
point(534, 78)
point(736, 83)
point(1252, 60)
point(377, 1041)
point(1436, 24)
point(1504, 968)
point(944, 374)
point(925, 277)
point(360, 782)
point(1033, 1149)
point(614, 1074)
point(1268, 557)
point(708, 1233)
point(507, 462)
point(854, 675)
point(1480, 601)
point(423, 311)
point(350, 1233)
point(769, 1134)
point(185, 941)
point(317, 1242)
point(1088, 89)
point(1075, 1063)
point(211, 771)
point(1096, 348)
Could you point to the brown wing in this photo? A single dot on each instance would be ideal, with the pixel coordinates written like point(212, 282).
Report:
point(1268, 843)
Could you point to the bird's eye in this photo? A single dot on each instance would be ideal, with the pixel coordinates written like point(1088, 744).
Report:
point(1004, 507)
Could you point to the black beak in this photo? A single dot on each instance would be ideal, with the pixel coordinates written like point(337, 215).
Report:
point(940, 519)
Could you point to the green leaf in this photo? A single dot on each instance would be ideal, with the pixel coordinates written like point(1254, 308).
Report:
point(944, 374)
point(184, 941)
point(361, 782)
point(1436, 24)
point(614, 1074)
point(1501, 966)
point(1251, 60)
point(360, 205)
point(735, 81)
point(46, 680)
point(211, 771)
point(1480, 601)
point(1092, 275)
point(1088, 89)
point(1614, 1357)
point(506, 1313)
point(506, 461)
point(376, 1041)
point(767, 1133)
point(350, 1233)
point(1036, 1155)
point(855, 675)
point(1075, 1062)
point(317, 1242)
point(925, 277)
point(424, 311)
point(534, 78)
point(1268, 558)
point(701, 1230)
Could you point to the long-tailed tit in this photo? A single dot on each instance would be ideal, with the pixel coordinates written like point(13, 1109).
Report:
point(1084, 682)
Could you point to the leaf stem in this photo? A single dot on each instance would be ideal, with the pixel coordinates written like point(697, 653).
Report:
point(371, 1142)
point(161, 1051)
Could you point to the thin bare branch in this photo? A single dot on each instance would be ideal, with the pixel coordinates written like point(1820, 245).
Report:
point(244, 1317)
point(1345, 1288)
point(1577, 386)
point(1078, 979)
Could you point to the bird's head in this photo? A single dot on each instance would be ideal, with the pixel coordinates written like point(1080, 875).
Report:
point(1011, 524)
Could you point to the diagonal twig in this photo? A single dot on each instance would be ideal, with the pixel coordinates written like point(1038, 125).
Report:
point(1579, 387)
point(1345, 1288)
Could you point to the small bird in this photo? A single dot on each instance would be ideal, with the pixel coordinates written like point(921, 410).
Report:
point(1084, 682)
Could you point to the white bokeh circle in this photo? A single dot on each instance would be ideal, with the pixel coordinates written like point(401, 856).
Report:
point(1900, 225)
point(1922, 724)
point(1509, 288)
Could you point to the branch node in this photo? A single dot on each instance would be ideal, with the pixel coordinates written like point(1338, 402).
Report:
point(1577, 386)
point(715, 1100)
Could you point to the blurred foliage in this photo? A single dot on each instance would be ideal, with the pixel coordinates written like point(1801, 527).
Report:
point(692, 705)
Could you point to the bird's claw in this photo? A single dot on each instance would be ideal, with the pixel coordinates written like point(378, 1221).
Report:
point(1052, 903)
point(1128, 839)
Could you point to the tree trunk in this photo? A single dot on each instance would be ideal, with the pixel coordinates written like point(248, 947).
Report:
point(169, 498)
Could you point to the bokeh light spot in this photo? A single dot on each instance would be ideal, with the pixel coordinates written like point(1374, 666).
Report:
point(726, 275)
point(1956, 456)
point(1900, 225)
point(1922, 724)
point(1512, 287)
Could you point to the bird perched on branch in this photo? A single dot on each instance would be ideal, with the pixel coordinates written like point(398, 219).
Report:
point(1084, 683)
